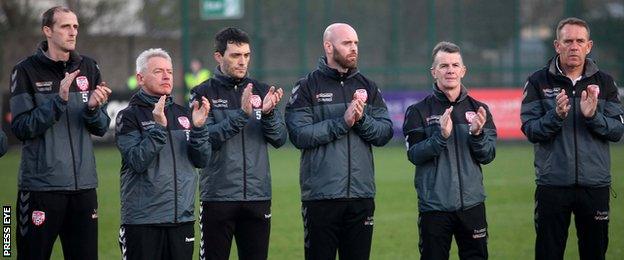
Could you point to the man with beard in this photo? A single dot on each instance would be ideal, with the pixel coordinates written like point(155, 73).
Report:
point(334, 116)
point(236, 185)
point(57, 102)
point(571, 111)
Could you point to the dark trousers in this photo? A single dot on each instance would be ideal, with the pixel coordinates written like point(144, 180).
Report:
point(42, 216)
point(437, 228)
point(248, 221)
point(553, 208)
point(157, 242)
point(345, 226)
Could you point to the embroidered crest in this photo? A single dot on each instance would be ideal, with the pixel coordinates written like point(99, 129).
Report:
point(83, 83)
point(184, 122)
point(38, 217)
point(256, 101)
point(470, 115)
point(361, 94)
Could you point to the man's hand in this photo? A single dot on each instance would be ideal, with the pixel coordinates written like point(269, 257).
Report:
point(66, 83)
point(589, 100)
point(200, 113)
point(246, 99)
point(361, 103)
point(446, 123)
point(477, 122)
point(159, 111)
point(563, 106)
point(271, 99)
point(99, 96)
point(354, 112)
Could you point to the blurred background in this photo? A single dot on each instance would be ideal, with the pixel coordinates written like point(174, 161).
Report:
point(502, 41)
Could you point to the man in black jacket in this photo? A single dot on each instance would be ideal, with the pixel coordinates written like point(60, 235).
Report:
point(57, 99)
point(449, 136)
point(334, 116)
point(236, 184)
point(571, 111)
point(160, 150)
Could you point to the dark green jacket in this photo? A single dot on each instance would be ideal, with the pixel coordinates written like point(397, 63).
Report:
point(158, 175)
point(448, 170)
point(239, 167)
point(573, 151)
point(57, 152)
point(336, 161)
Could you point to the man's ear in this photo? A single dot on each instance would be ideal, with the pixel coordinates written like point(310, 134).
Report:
point(47, 31)
point(218, 57)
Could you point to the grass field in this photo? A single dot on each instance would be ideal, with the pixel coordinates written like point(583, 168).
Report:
point(509, 183)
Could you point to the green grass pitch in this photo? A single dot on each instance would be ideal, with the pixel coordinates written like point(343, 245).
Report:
point(509, 183)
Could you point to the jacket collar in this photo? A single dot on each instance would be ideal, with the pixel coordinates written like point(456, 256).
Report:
point(589, 69)
point(333, 73)
point(227, 80)
point(442, 97)
point(141, 98)
point(72, 63)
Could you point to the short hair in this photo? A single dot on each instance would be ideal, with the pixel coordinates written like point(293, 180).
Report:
point(229, 35)
point(444, 46)
point(47, 18)
point(141, 61)
point(572, 21)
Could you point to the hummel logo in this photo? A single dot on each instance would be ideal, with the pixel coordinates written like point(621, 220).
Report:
point(267, 216)
point(186, 239)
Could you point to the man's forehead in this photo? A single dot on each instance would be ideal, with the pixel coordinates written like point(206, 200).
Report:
point(573, 30)
point(237, 47)
point(158, 62)
point(65, 18)
point(341, 32)
point(447, 57)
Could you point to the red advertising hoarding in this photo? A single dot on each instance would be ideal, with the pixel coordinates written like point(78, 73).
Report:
point(504, 105)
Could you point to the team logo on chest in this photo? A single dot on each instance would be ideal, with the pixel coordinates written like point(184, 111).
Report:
point(83, 83)
point(256, 101)
point(361, 94)
point(38, 217)
point(184, 122)
point(470, 115)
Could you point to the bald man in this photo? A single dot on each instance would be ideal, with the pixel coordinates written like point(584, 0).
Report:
point(334, 116)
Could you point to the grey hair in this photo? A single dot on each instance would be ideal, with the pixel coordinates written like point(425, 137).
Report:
point(141, 61)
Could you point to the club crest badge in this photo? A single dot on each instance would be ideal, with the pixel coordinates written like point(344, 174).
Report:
point(38, 217)
point(184, 122)
point(470, 115)
point(83, 83)
point(361, 94)
point(256, 101)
